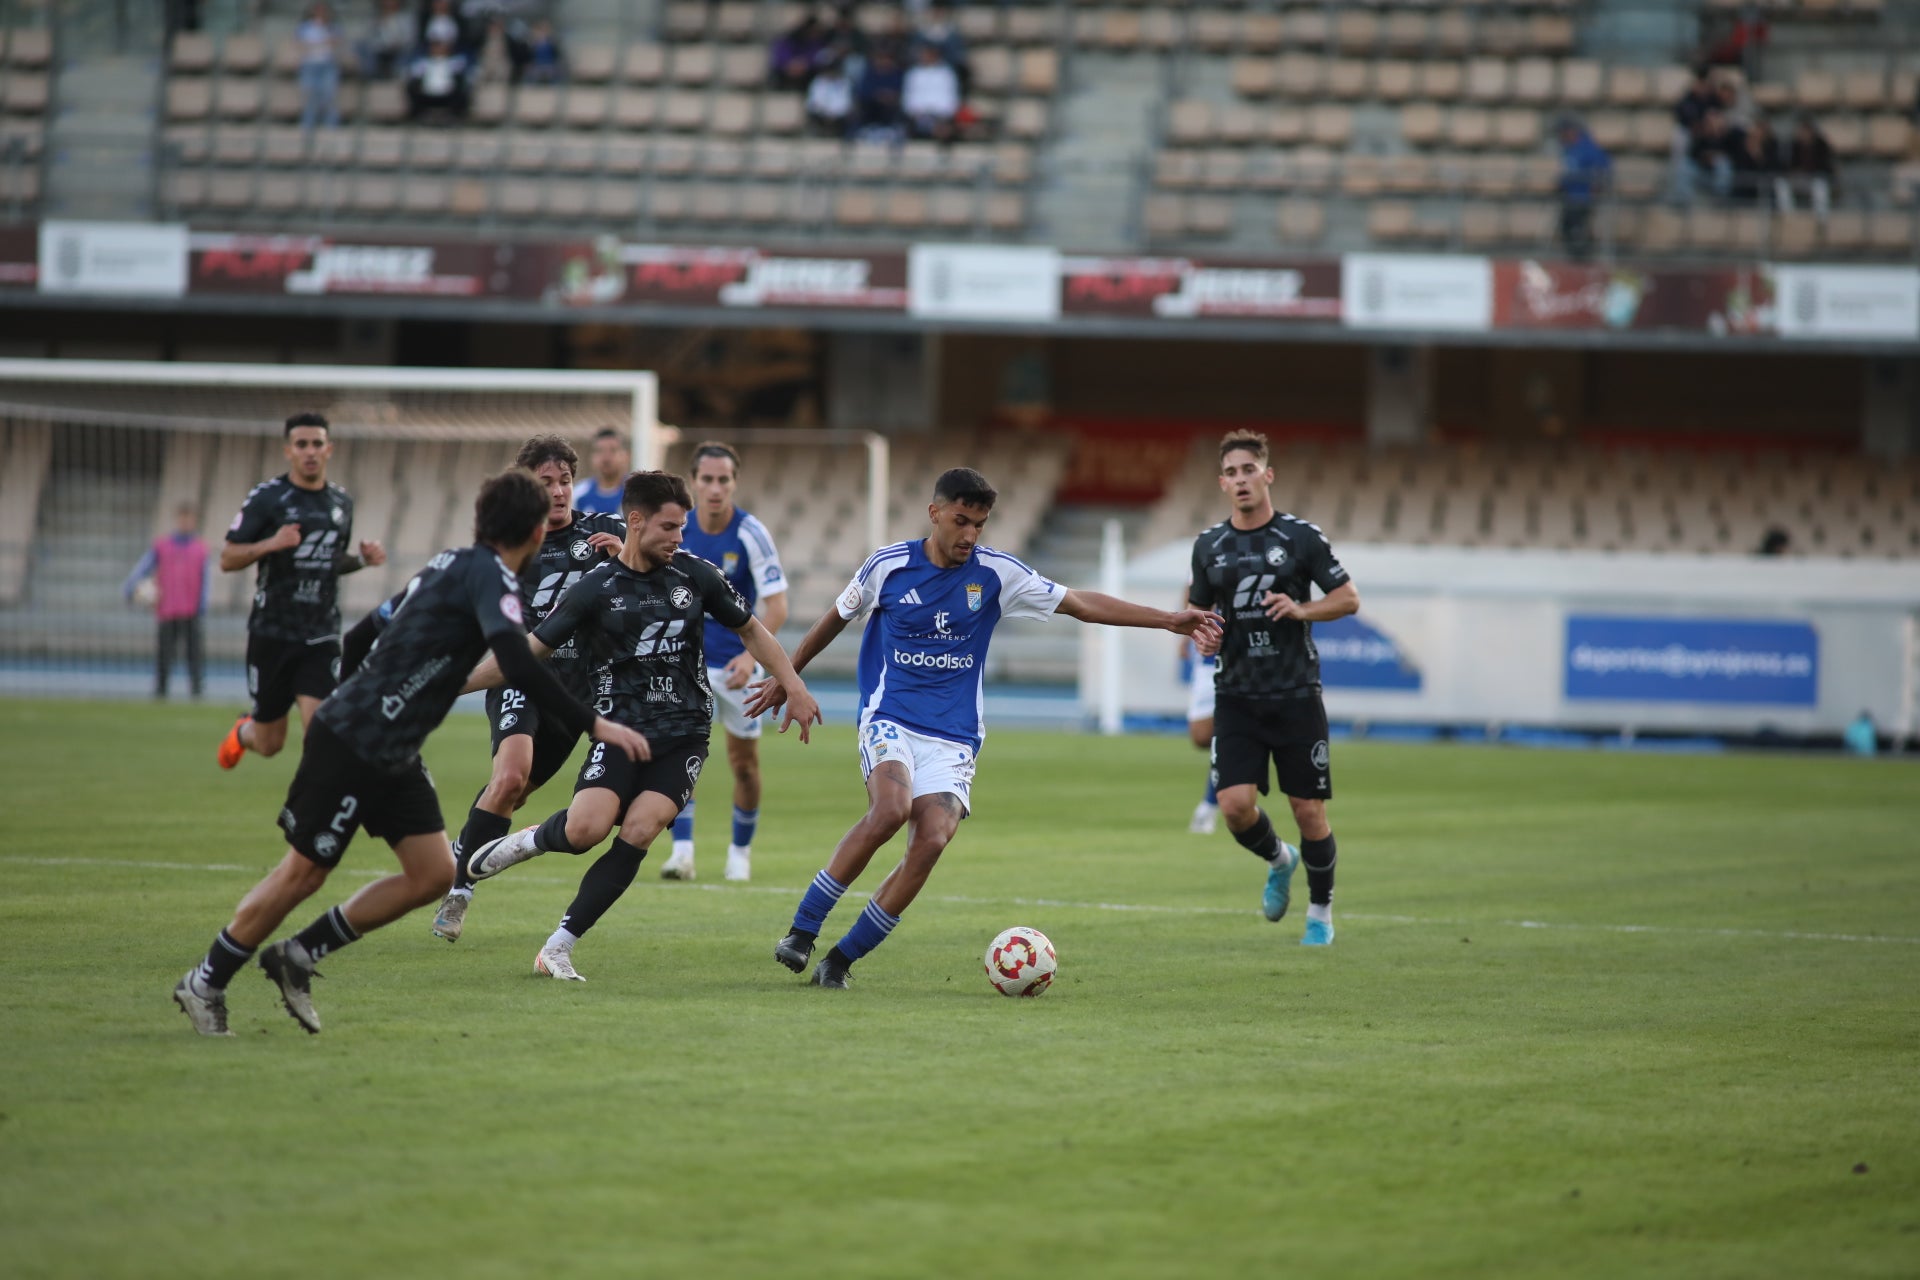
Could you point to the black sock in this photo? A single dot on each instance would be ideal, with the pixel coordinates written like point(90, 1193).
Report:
point(329, 933)
point(839, 958)
point(602, 886)
point(481, 827)
point(552, 835)
point(224, 959)
point(806, 939)
point(1259, 839)
point(1318, 856)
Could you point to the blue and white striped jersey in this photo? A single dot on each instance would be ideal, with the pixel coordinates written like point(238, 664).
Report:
point(925, 649)
point(745, 556)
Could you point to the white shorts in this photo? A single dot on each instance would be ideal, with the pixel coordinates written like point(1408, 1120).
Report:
point(934, 765)
point(729, 705)
point(1200, 700)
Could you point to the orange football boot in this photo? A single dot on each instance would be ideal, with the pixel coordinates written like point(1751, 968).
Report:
point(231, 748)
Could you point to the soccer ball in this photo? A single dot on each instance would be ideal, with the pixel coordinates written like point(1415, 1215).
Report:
point(1020, 962)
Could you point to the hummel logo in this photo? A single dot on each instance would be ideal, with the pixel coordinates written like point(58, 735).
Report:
point(912, 597)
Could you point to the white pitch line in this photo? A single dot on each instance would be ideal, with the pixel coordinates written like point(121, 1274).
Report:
point(1058, 904)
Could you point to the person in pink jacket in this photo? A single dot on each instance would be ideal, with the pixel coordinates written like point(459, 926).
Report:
point(177, 566)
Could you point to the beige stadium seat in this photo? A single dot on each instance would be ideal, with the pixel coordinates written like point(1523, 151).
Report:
point(1441, 81)
point(1469, 128)
point(673, 157)
point(1253, 77)
point(616, 201)
point(1390, 220)
point(1796, 235)
point(1629, 87)
point(1746, 233)
point(1394, 81)
point(732, 115)
point(1026, 26)
point(742, 68)
point(1306, 29)
point(979, 25)
point(1209, 217)
point(1488, 80)
point(1550, 34)
point(1652, 132)
point(1026, 119)
point(1260, 32)
point(1662, 231)
point(1708, 230)
point(737, 23)
point(993, 70)
point(685, 21)
point(239, 99)
point(1406, 32)
point(1356, 31)
point(1190, 123)
point(244, 54)
point(1300, 223)
point(1039, 72)
point(536, 106)
point(722, 158)
point(374, 195)
point(1006, 211)
point(1516, 129)
point(1163, 217)
point(1223, 170)
point(1535, 81)
point(479, 152)
point(1613, 130)
point(1889, 137)
point(1349, 79)
point(1581, 82)
point(382, 149)
point(1890, 231)
point(693, 66)
point(490, 105)
point(713, 205)
point(1238, 124)
point(1638, 177)
point(1816, 90)
point(592, 63)
point(1864, 90)
point(1494, 176)
point(186, 189)
point(31, 48)
point(586, 108)
point(1481, 225)
point(1215, 31)
point(1286, 126)
point(230, 192)
point(1453, 34)
point(643, 64)
point(1409, 175)
point(685, 112)
point(527, 154)
point(1297, 76)
point(1331, 127)
point(760, 206)
point(1360, 177)
point(191, 54)
point(636, 108)
point(1531, 223)
point(423, 197)
point(1847, 134)
point(951, 208)
point(906, 209)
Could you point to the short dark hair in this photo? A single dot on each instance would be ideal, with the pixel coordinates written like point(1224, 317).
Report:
point(510, 507)
point(541, 450)
point(648, 491)
point(713, 449)
point(964, 484)
point(305, 420)
point(608, 433)
point(1252, 441)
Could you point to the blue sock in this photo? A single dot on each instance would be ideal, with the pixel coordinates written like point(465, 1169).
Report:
point(683, 825)
point(822, 894)
point(1213, 790)
point(744, 823)
point(868, 932)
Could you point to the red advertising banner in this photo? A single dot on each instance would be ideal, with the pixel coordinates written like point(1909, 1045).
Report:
point(1562, 295)
point(1185, 289)
point(19, 258)
point(607, 273)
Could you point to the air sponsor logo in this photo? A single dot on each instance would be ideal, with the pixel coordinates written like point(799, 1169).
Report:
point(394, 703)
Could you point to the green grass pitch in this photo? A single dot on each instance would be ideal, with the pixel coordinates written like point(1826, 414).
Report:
point(1589, 1014)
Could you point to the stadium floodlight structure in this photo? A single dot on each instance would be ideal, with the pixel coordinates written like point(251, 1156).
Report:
point(97, 455)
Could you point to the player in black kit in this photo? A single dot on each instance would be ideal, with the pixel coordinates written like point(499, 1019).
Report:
point(528, 749)
point(638, 620)
point(1258, 570)
point(361, 765)
point(298, 528)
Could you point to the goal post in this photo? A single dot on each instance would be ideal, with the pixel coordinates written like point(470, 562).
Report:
point(97, 456)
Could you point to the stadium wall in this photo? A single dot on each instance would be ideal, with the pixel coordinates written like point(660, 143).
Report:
point(1585, 640)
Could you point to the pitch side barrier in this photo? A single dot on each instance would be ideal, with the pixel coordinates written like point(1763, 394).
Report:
point(1710, 644)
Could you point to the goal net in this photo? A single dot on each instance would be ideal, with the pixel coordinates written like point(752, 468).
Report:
point(98, 458)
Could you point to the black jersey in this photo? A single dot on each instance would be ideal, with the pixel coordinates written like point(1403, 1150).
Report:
point(295, 594)
point(1233, 570)
point(415, 670)
point(640, 635)
point(564, 558)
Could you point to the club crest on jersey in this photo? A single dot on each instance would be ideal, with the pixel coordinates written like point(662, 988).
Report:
point(1276, 556)
point(339, 516)
point(976, 596)
point(681, 597)
point(693, 768)
point(729, 562)
point(581, 549)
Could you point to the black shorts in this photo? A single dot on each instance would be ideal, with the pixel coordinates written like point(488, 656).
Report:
point(1292, 732)
point(278, 671)
point(675, 767)
point(335, 793)
point(511, 712)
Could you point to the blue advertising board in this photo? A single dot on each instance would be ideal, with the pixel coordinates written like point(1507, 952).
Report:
point(1358, 655)
point(1692, 660)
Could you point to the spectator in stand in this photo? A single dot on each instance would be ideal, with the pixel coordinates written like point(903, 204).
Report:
point(1712, 152)
point(938, 31)
point(846, 41)
point(500, 57)
point(1742, 44)
point(319, 69)
point(930, 96)
point(1774, 542)
point(791, 62)
point(1689, 114)
point(897, 39)
point(1810, 166)
point(389, 42)
point(1585, 169)
point(1759, 173)
point(830, 101)
point(545, 63)
point(878, 98)
point(177, 567)
point(440, 25)
point(437, 84)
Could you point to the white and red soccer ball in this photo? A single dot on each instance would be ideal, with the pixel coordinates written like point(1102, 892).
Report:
point(1021, 962)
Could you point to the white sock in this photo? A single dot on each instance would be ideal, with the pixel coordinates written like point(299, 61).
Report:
point(461, 893)
point(740, 851)
point(1321, 911)
point(683, 851)
point(562, 940)
point(197, 984)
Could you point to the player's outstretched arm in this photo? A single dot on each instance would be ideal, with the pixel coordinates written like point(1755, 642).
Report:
point(765, 695)
point(801, 707)
point(235, 556)
point(488, 674)
point(1092, 606)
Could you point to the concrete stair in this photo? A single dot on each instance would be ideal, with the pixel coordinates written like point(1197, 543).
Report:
point(1105, 127)
point(100, 145)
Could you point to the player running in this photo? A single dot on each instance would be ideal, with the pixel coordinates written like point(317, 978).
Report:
point(934, 605)
point(1200, 728)
point(1259, 568)
point(527, 748)
point(361, 765)
point(724, 535)
point(637, 619)
point(298, 527)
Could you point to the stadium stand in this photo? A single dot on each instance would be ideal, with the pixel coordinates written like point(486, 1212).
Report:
point(26, 103)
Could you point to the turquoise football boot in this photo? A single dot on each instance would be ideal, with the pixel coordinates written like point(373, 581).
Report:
point(1273, 903)
point(1319, 934)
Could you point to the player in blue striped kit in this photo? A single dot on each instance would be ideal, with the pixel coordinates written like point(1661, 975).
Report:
point(740, 546)
point(931, 606)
